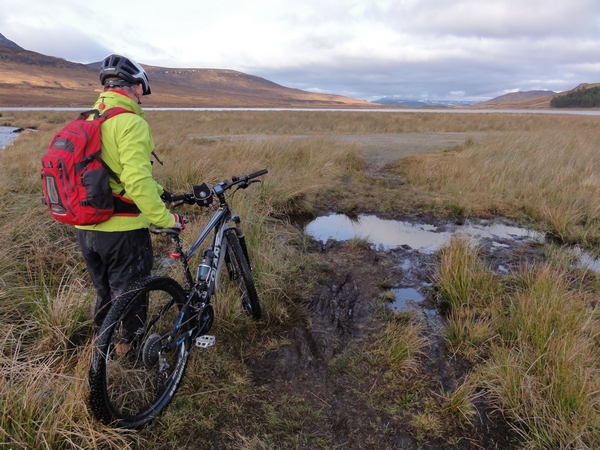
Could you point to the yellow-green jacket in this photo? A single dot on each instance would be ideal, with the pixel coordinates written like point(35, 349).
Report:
point(126, 147)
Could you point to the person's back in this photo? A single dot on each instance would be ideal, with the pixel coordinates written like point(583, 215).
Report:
point(119, 251)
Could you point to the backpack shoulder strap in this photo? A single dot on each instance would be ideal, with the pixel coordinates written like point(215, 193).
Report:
point(111, 112)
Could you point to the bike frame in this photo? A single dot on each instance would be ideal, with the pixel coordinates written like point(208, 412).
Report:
point(200, 292)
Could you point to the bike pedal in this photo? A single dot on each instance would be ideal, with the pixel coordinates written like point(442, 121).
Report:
point(205, 341)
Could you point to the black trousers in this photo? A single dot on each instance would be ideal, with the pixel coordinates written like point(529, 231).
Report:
point(115, 260)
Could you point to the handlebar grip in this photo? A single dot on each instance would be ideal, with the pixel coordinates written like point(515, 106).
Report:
point(258, 174)
point(177, 198)
point(185, 198)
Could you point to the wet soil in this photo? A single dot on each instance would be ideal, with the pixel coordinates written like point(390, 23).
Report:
point(344, 316)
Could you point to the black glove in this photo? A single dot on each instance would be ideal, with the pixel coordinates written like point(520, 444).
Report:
point(166, 196)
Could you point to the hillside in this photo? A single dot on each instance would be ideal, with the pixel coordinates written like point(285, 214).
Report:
point(519, 100)
point(583, 96)
point(31, 79)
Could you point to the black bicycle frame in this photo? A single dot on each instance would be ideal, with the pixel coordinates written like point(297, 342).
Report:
point(201, 291)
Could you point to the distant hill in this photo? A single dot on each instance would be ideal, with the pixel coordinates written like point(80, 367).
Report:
point(7, 42)
point(393, 101)
point(519, 100)
point(31, 79)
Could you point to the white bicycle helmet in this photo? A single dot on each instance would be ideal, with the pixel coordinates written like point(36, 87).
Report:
point(125, 69)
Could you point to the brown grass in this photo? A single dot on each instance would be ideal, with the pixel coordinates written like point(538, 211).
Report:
point(532, 338)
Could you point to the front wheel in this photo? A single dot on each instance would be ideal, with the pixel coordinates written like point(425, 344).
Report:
point(239, 271)
point(140, 354)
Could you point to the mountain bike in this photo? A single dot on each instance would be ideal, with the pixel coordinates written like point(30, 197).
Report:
point(131, 389)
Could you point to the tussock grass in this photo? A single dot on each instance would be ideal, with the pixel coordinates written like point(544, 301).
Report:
point(43, 403)
point(536, 345)
point(402, 344)
point(459, 403)
point(547, 176)
point(463, 279)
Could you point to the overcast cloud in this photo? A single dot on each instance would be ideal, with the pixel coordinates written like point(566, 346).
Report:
point(413, 49)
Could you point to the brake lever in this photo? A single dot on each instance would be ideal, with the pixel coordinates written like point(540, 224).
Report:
point(247, 183)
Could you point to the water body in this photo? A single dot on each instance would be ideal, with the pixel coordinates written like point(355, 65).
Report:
point(424, 239)
point(414, 238)
point(388, 234)
point(7, 135)
point(405, 297)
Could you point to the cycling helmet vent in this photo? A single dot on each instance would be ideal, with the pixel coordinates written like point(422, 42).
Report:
point(125, 69)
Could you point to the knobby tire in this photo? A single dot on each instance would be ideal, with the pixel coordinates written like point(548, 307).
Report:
point(239, 271)
point(131, 390)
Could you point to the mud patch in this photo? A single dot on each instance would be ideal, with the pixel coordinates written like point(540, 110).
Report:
point(344, 318)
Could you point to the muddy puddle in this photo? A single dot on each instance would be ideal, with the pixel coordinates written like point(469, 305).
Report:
point(411, 246)
point(387, 234)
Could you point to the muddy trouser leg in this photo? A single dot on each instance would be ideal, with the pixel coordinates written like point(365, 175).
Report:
point(115, 260)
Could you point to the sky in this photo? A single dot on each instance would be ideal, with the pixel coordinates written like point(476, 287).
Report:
point(468, 50)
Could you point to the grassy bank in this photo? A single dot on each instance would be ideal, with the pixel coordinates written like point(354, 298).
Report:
point(530, 338)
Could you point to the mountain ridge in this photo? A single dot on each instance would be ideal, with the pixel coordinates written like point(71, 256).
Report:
point(30, 79)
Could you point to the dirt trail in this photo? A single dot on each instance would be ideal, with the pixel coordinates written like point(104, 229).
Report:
point(355, 410)
point(378, 149)
point(306, 373)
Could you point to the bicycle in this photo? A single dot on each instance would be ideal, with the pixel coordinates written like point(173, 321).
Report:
point(130, 390)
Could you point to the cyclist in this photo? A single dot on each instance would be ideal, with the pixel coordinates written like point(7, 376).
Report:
point(118, 251)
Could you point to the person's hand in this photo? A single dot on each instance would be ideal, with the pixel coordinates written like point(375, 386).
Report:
point(180, 222)
point(167, 197)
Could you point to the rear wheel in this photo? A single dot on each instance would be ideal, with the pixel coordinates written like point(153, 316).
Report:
point(239, 271)
point(130, 388)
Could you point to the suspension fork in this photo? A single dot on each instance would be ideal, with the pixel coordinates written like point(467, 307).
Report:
point(239, 232)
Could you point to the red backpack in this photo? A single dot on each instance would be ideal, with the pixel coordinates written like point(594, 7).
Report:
point(75, 180)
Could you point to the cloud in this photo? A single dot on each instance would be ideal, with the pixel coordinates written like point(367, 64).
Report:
point(360, 48)
point(67, 43)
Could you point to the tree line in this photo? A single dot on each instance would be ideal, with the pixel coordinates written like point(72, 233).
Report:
point(581, 98)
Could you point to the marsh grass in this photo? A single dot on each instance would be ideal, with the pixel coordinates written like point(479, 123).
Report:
point(547, 176)
point(531, 337)
point(536, 345)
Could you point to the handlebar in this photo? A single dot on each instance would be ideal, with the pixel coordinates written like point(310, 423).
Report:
point(205, 193)
point(243, 180)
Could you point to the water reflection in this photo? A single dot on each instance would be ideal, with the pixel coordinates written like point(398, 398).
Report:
point(420, 236)
point(405, 297)
point(7, 135)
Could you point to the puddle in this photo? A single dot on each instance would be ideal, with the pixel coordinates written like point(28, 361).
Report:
point(405, 297)
point(413, 246)
point(586, 260)
point(389, 234)
point(7, 135)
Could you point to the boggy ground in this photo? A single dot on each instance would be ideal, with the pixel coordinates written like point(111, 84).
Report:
point(329, 383)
